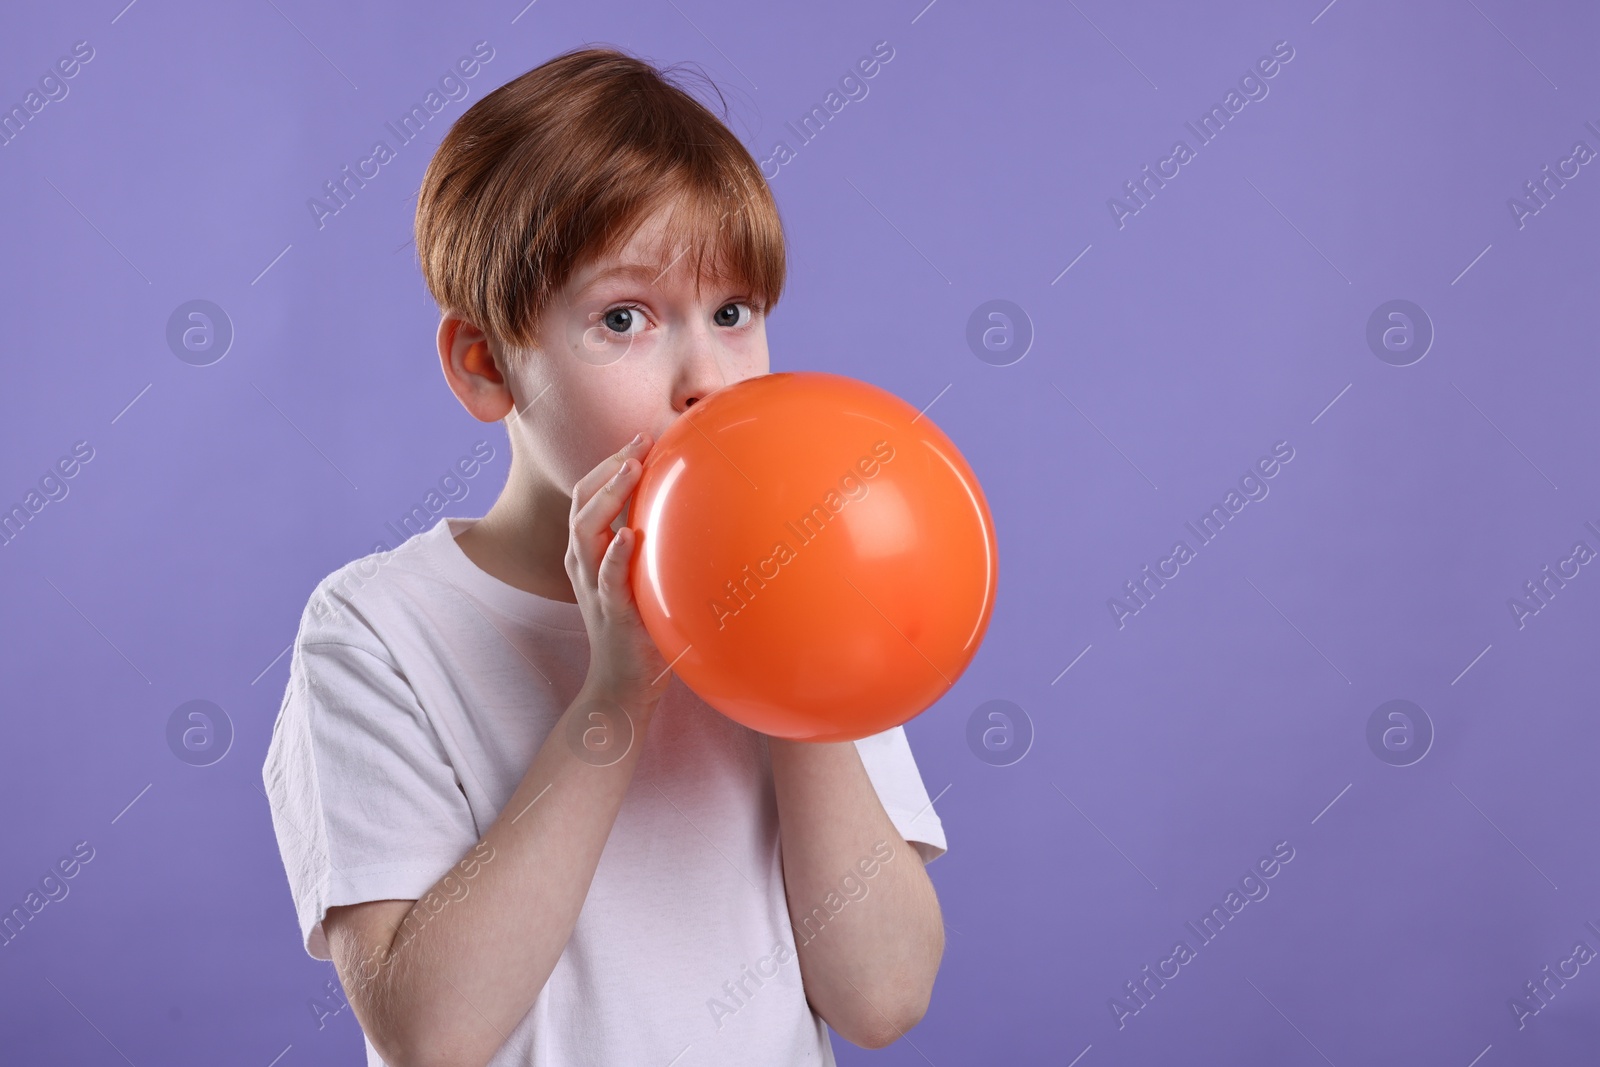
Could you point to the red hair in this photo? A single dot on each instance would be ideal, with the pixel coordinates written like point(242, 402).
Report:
point(559, 166)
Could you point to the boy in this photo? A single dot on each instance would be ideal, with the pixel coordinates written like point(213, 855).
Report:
point(518, 836)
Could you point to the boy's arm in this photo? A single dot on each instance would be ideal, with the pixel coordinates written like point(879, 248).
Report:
point(448, 986)
point(869, 969)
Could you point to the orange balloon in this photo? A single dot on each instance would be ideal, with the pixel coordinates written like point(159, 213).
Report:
point(815, 559)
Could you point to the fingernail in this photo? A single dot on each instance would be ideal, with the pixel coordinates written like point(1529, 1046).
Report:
point(637, 438)
point(617, 477)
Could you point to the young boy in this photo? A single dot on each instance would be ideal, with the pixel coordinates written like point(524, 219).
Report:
point(518, 836)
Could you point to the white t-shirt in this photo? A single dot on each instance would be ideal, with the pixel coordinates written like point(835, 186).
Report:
point(420, 689)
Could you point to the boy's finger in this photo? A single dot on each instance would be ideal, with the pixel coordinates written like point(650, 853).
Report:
point(614, 564)
point(592, 532)
point(590, 483)
point(606, 503)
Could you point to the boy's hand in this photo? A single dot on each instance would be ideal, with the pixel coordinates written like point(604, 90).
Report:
point(624, 663)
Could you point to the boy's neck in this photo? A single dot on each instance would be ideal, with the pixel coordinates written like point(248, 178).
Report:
point(522, 541)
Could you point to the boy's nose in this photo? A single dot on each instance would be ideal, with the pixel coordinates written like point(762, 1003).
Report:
point(700, 370)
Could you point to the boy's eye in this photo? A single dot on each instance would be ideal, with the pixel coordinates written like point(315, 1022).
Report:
point(728, 315)
point(623, 320)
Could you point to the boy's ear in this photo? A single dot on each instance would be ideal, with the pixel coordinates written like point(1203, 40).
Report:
point(470, 369)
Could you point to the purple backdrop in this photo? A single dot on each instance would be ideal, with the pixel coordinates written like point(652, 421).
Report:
point(1379, 260)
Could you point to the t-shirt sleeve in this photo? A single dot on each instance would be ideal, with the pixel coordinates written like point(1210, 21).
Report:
point(893, 770)
point(365, 803)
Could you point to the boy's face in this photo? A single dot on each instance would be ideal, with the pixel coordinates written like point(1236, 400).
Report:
point(627, 345)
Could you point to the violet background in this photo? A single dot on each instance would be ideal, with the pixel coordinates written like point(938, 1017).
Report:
point(1229, 314)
